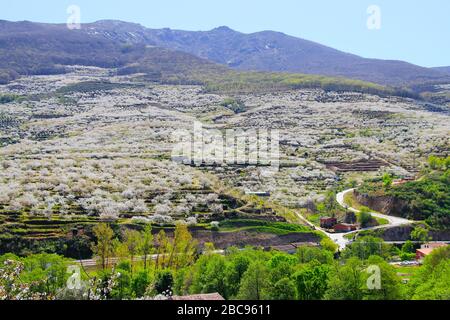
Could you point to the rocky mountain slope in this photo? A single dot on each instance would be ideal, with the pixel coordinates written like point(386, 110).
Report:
point(270, 51)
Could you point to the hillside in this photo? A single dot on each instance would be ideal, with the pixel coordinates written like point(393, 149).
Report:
point(37, 48)
point(28, 48)
point(427, 198)
point(32, 48)
point(443, 69)
point(270, 51)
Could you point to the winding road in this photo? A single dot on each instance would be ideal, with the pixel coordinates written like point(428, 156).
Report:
point(393, 221)
point(340, 239)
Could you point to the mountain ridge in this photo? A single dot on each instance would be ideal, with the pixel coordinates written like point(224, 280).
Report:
point(278, 52)
point(34, 48)
point(443, 69)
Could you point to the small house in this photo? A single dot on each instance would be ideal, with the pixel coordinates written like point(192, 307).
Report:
point(328, 222)
point(426, 249)
point(345, 227)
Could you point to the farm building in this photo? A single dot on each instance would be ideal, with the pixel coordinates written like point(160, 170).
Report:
point(328, 222)
point(426, 249)
point(345, 227)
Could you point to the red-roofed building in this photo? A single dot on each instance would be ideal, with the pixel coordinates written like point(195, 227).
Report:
point(427, 248)
point(345, 227)
point(327, 222)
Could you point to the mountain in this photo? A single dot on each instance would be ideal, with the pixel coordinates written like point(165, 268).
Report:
point(37, 48)
point(270, 51)
point(174, 56)
point(443, 69)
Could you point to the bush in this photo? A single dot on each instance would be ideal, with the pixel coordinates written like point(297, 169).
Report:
point(235, 105)
point(6, 98)
point(163, 282)
point(140, 283)
point(365, 217)
point(405, 256)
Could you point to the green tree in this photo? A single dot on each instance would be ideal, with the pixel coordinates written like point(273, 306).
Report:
point(408, 247)
point(254, 284)
point(140, 283)
point(387, 180)
point(163, 247)
point(183, 247)
point(420, 234)
point(163, 282)
point(364, 247)
point(146, 245)
point(210, 275)
point(104, 247)
point(307, 254)
point(432, 282)
point(132, 243)
point(365, 217)
point(329, 245)
point(434, 162)
point(44, 272)
point(122, 289)
point(345, 282)
point(390, 285)
point(437, 285)
point(311, 281)
point(330, 201)
point(281, 266)
point(284, 289)
point(183, 279)
point(238, 264)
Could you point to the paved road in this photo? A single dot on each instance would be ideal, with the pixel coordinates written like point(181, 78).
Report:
point(393, 221)
point(339, 238)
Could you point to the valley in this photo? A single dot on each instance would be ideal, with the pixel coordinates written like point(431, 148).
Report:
point(93, 146)
point(152, 164)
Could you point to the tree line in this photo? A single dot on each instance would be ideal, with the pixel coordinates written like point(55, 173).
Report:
point(157, 267)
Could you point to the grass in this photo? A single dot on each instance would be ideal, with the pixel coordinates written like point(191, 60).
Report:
point(407, 272)
point(315, 218)
point(349, 236)
point(381, 221)
point(407, 269)
point(261, 226)
point(350, 200)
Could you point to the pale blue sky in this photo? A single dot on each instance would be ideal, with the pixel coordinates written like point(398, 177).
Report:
point(416, 31)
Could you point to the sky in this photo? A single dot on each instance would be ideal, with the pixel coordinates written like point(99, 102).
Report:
point(411, 30)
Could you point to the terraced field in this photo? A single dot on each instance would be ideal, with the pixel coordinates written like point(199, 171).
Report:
point(92, 146)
